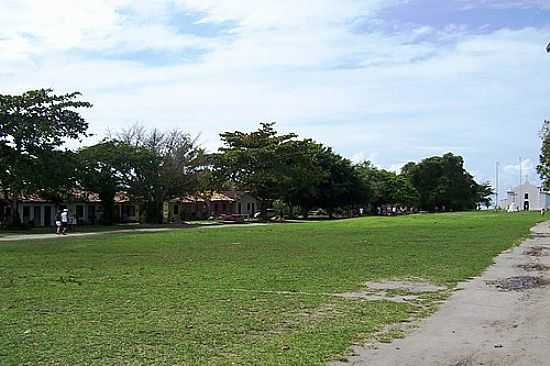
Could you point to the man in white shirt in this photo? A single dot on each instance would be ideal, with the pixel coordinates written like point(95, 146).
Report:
point(64, 221)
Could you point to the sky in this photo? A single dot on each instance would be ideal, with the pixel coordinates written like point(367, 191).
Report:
point(390, 81)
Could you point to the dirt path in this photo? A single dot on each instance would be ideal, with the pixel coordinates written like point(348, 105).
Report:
point(483, 324)
point(24, 237)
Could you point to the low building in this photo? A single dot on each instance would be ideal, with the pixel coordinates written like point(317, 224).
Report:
point(526, 197)
point(36, 210)
point(213, 204)
point(219, 204)
point(245, 203)
point(185, 208)
point(127, 209)
point(85, 209)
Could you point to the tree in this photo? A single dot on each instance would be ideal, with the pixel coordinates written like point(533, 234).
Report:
point(544, 160)
point(33, 126)
point(443, 183)
point(341, 186)
point(169, 164)
point(106, 168)
point(484, 192)
point(388, 188)
point(301, 180)
point(280, 167)
point(255, 161)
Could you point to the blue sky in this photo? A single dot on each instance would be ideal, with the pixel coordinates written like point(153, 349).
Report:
point(391, 81)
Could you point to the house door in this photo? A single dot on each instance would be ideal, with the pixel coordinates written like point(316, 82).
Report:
point(47, 216)
point(526, 206)
point(37, 216)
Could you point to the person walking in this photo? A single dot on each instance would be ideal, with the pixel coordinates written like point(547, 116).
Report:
point(58, 222)
point(64, 221)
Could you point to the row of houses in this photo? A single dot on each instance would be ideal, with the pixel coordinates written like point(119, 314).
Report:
point(86, 208)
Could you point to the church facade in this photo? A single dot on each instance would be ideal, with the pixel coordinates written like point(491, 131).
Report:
point(526, 197)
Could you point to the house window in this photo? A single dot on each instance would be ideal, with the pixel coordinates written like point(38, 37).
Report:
point(224, 207)
point(526, 196)
point(26, 211)
point(176, 209)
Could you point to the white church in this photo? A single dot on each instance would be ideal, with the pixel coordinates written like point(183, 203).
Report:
point(526, 197)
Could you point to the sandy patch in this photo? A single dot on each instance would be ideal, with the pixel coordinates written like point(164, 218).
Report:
point(377, 296)
point(409, 286)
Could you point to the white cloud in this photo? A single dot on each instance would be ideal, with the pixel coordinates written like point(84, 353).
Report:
point(388, 97)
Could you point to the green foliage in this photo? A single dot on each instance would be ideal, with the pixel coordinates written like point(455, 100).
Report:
point(484, 192)
point(169, 164)
point(544, 161)
point(106, 168)
point(255, 161)
point(246, 296)
point(32, 126)
point(387, 188)
point(279, 167)
point(444, 184)
point(341, 185)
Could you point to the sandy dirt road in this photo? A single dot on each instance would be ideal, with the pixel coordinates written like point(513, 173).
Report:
point(483, 323)
point(26, 237)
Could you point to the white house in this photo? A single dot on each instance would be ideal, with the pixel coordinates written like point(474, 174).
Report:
point(526, 197)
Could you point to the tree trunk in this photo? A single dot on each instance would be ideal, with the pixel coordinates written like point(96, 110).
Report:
point(153, 212)
point(108, 202)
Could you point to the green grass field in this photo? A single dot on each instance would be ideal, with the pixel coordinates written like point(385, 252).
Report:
point(254, 295)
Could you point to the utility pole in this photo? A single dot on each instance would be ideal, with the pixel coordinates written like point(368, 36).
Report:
point(496, 186)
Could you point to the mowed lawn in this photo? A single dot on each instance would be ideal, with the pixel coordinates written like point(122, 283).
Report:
point(243, 295)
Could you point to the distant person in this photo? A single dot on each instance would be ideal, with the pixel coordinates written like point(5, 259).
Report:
point(542, 211)
point(64, 221)
point(58, 224)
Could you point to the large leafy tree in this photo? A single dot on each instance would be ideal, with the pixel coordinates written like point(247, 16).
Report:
point(168, 164)
point(300, 181)
point(387, 187)
point(484, 193)
point(280, 167)
point(33, 126)
point(257, 161)
point(319, 178)
point(341, 186)
point(106, 168)
point(443, 183)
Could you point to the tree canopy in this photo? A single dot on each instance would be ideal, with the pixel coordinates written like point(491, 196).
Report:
point(167, 165)
point(280, 167)
point(444, 184)
point(33, 126)
point(107, 168)
point(387, 188)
